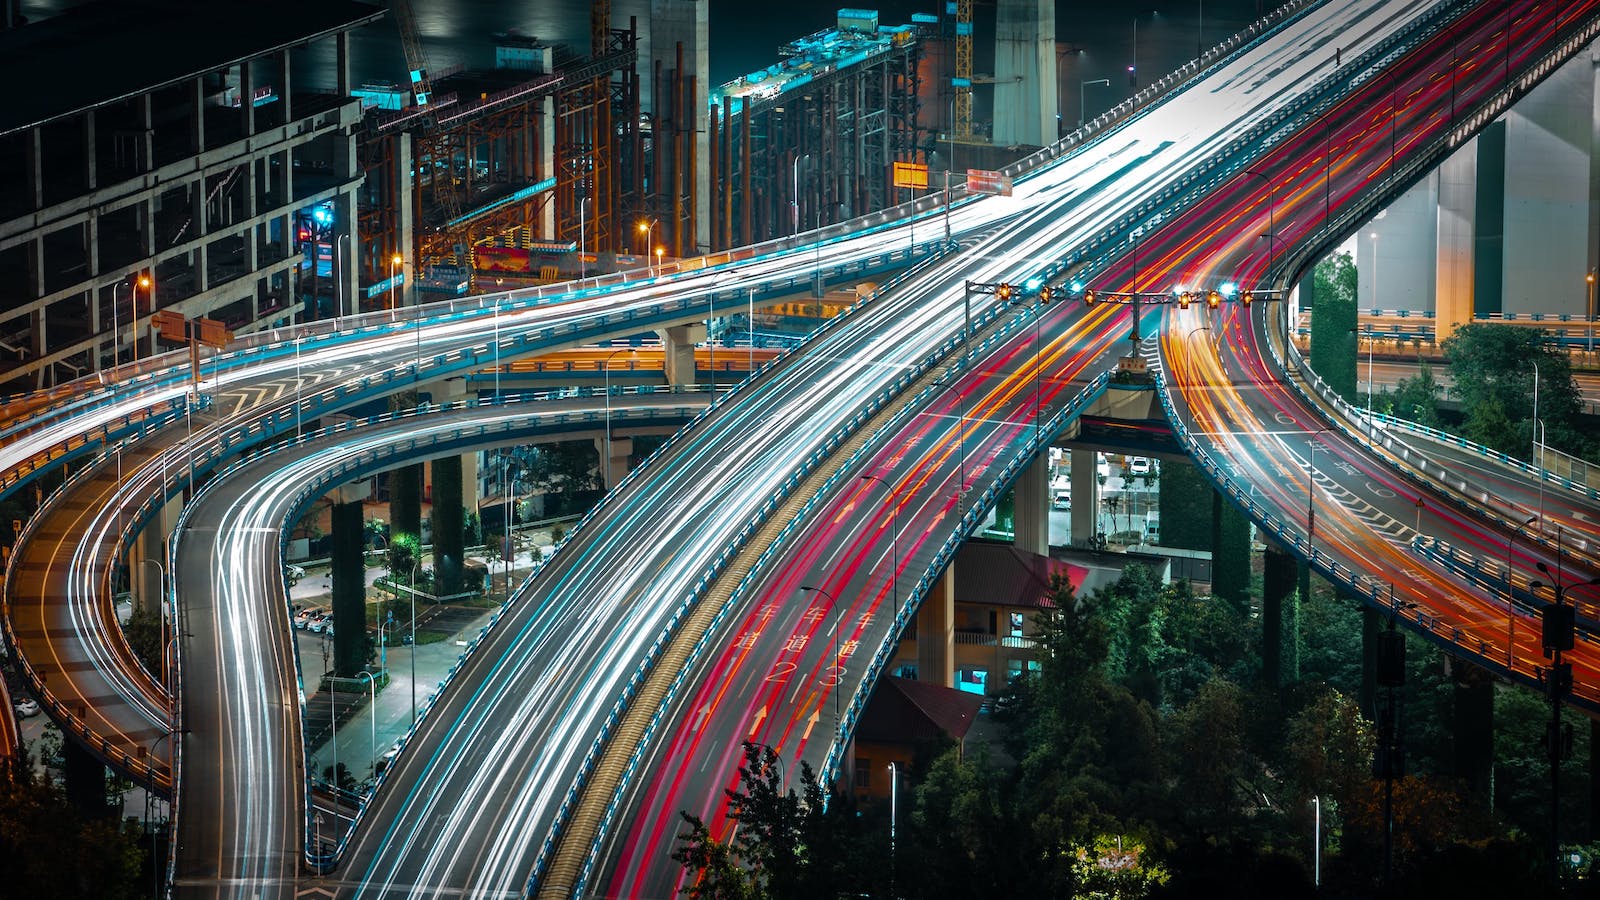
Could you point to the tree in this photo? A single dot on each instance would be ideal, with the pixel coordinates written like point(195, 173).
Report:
point(1417, 398)
point(144, 633)
point(1493, 366)
point(48, 850)
point(789, 845)
point(1333, 323)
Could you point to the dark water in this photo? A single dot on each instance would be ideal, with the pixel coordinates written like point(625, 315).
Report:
point(745, 35)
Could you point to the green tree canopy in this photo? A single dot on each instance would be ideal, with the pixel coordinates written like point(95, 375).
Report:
point(1494, 370)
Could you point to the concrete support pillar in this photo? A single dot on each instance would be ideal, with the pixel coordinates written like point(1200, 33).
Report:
point(90, 173)
point(1031, 502)
point(1594, 780)
point(284, 72)
point(342, 61)
point(34, 163)
point(1278, 584)
point(348, 573)
point(678, 344)
point(1025, 73)
point(405, 217)
point(85, 778)
point(247, 98)
point(1453, 289)
point(687, 23)
point(147, 561)
point(936, 634)
point(1474, 730)
point(1547, 191)
point(1395, 269)
point(146, 151)
point(197, 124)
point(545, 135)
point(1371, 626)
point(621, 459)
point(1085, 495)
point(1230, 553)
point(448, 543)
point(471, 489)
point(91, 247)
point(201, 212)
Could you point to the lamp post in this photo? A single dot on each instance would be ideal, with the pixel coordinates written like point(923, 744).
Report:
point(1590, 279)
point(416, 561)
point(394, 297)
point(894, 803)
point(895, 509)
point(836, 680)
point(961, 435)
point(1316, 845)
point(372, 713)
point(607, 367)
point(297, 339)
point(1272, 228)
point(648, 230)
point(1538, 441)
point(795, 197)
point(1083, 113)
point(161, 574)
point(1511, 602)
point(1558, 634)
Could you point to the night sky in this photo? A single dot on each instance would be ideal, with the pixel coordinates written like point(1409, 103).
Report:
point(460, 31)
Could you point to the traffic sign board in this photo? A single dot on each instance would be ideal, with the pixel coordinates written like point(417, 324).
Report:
point(910, 175)
point(983, 181)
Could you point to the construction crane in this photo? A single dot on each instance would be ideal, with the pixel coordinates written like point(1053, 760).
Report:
point(962, 107)
point(416, 58)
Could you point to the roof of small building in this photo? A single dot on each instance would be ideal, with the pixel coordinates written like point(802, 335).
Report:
point(107, 51)
point(902, 711)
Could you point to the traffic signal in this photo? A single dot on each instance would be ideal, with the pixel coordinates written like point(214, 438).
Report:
point(1088, 297)
point(1003, 291)
point(1247, 297)
point(1213, 298)
point(1046, 293)
point(1184, 299)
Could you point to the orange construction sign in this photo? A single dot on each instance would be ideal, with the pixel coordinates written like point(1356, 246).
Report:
point(910, 175)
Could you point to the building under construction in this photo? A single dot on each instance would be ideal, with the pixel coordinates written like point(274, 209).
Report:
point(811, 139)
point(518, 174)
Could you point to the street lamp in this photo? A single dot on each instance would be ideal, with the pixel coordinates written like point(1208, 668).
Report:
point(1538, 441)
point(961, 435)
point(607, 367)
point(1082, 102)
point(1272, 228)
point(795, 197)
point(394, 286)
point(836, 671)
point(372, 710)
point(894, 803)
point(648, 229)
point(895, 508)
point(1590, 279)
point(1558, 634)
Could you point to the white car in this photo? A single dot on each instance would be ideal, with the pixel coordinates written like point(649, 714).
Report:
point(1139, 465)
point(27, 709)
point(293, 573)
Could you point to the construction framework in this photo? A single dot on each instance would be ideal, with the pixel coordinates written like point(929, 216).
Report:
point(816, 153)
point(530, 161)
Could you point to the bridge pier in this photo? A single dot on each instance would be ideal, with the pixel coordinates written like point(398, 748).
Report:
point(1371, 627)
point(1473, 702)
point(1025, 73)
point(85, 778)
point(936, 631)
point(1278, 585)
point(349, 578)
point(1230, 552)
point(448, 524)
point(677, 342)
point(149, 547)
point(621, 459)
point(1085, 496)
point(1031, 507)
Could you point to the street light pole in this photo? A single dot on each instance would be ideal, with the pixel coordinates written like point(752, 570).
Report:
point(961, 435)
point(648, 230)
point(836, 670)
point(372, 710)
point(1590, 279)
point(895, 510)
point(894, 804)
point(1558, 637)
point(1083, 114)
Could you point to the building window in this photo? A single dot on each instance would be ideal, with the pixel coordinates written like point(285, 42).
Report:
point(863, 773)
point(972, 680)
point(1016, 624)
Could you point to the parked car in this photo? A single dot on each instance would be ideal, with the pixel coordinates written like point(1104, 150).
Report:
point(1140, 465)
point(302, 619)
point(319, 623)
point(293, 573)
point(27, 709)
point(1062, 500)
